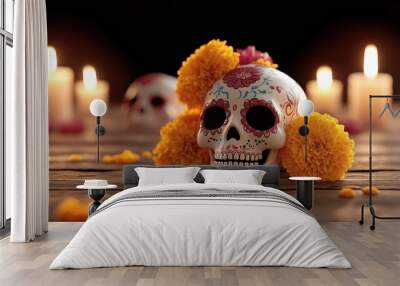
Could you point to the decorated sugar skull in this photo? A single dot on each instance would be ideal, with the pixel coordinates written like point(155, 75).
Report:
point(151, 101)
point(238, 105)
point(246, 111)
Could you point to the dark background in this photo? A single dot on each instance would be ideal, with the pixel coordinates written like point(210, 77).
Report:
point(126, 40)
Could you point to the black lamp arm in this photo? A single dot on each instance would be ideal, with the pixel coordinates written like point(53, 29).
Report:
point(303, 130)
point(100, 131)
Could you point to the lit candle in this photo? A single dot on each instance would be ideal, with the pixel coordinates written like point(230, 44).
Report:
point(361, 85)
point(325, 93)
point(89, 89)
point(60, 91)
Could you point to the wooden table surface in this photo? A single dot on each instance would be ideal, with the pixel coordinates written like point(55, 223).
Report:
point(64, 175)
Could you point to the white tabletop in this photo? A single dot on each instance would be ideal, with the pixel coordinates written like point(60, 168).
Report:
point(304, 178)
point(88, 187)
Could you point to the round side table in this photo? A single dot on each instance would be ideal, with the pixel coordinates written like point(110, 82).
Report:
point(96, 193)
point(305, 190)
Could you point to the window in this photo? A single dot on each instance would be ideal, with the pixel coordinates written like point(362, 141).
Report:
point(6, 63)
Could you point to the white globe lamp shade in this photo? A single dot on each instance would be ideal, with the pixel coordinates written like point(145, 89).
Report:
point(306, 107)
point(98, 107)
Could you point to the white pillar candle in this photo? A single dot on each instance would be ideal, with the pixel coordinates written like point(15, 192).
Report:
point(60, 91)
point(361, 85)
point(89, 89)
point(325, 92)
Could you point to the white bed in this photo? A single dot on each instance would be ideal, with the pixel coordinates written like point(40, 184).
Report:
point(267, 229)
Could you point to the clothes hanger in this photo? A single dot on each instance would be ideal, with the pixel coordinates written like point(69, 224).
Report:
point(388, 106)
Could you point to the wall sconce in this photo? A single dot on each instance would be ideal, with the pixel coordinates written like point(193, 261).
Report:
point(305, 185)
point(305, 108)
point(98, 108)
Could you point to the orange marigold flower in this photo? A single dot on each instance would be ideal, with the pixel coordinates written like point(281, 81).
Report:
point(265, 63)
point(178, 142)
point(147, 154)
point(330, 149)
point(374, 190)
point(202, 69)
point(347, 193)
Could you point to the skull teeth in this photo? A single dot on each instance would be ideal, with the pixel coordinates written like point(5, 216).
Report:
point(237, 159)
point(236, 163)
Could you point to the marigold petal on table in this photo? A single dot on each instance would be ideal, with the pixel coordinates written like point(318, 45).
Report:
point(74, 158)
point(347, 193)
point(374, 190)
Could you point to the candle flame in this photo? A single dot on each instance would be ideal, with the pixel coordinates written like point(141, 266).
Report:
point(370, 61)
point(324, 77)
point(89, 77)
point(52, 59)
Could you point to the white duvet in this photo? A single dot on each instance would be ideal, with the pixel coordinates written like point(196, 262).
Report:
point(200, 231)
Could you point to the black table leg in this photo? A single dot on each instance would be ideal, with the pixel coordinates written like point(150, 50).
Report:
point(96, 195)
point(305, 193)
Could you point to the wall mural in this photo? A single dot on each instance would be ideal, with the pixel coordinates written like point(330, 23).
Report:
point(227, 107)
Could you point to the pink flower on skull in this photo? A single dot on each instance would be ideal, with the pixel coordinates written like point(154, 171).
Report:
point(250, 54)
point(242, 77)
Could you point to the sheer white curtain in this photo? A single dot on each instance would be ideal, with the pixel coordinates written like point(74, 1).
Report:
point(27, 124)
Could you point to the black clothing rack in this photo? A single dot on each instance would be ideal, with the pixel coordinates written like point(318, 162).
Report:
point(370, 204)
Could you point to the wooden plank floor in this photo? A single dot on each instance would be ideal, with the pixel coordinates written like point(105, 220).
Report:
point(375, 257)
point(64, 176)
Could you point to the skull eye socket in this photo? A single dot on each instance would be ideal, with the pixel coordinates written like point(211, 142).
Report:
point(214, 117)
point(157, 101)
point(133, 100)
point(260, 117)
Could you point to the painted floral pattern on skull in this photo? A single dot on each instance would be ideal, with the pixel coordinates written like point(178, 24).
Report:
point(242, 77)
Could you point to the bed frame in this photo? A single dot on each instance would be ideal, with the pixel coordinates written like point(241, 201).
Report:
point(271, 177)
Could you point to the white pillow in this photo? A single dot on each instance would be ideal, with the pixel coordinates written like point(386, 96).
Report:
point(165, 176)
point(249, 177)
